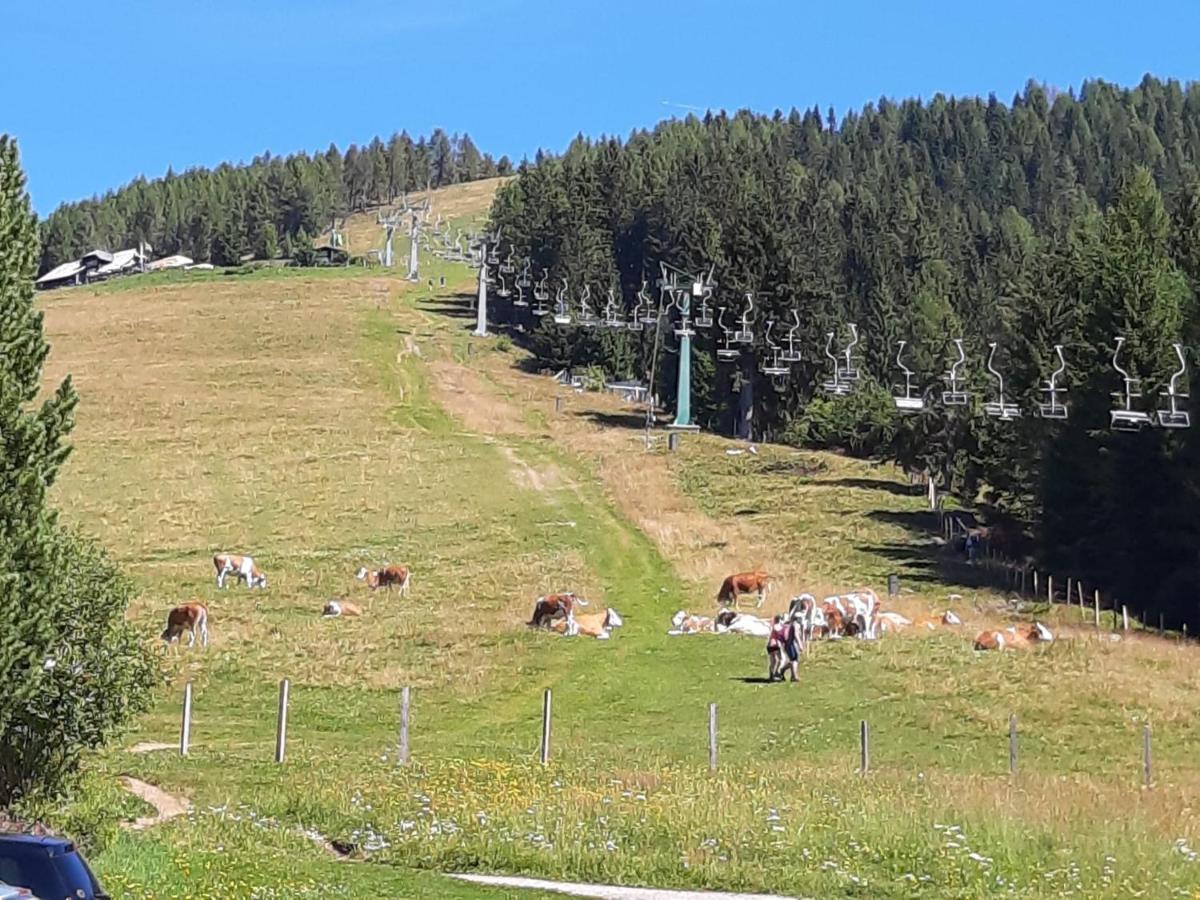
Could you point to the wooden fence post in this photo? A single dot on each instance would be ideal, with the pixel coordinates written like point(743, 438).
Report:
point(1050, 589)
point(1161, 629)
point(712, 737)
point(1146, 770)
point(1079, 584)
point(281, 724)
point(1124, 618)
point(1069, 591)
point(1024, 574)
point(1012, 744)
point(185, 727)
point(1035, 583)
point(404, 697)
point(546, 728)
point(1095, 609)
point(558, 404)
point(864, 740)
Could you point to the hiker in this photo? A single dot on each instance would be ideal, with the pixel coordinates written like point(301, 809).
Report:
point(777, 640)
point(790, 647)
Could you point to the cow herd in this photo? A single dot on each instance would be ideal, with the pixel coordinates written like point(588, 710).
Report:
point(193, 617)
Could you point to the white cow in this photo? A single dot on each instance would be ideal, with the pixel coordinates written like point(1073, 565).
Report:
point(242, 567)
point(730, 622)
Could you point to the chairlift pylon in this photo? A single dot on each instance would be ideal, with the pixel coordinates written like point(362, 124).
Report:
point(1053, 408)
point(1126, 418)
point(909, 402)
point(999, 408)
point(956, 396)
point(1173, 416)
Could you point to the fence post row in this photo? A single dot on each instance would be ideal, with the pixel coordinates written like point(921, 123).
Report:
point(712, 737)
point(185, 727)
point(281, 725)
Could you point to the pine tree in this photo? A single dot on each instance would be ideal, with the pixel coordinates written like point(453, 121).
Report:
point(72, 668)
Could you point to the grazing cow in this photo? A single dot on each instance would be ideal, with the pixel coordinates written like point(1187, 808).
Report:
point(598, 625)
point(730, 622)
point(860, 612)
point(387, 577)
point(1014, 637)
point(241, 567)
point(744, 583)
point(556, 606)
point(682, 623)
point(190, 617)
point(335, 608)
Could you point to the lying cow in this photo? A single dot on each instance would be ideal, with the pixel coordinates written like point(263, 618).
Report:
point(744, 583)
point(190, 617)
point(682, 623)
point(241, 567)
point(597, 625)
point(556, 606)
point(335, 608)
point(894, 621)
point(1014, 637)
point(730, 622)
point(387, 577)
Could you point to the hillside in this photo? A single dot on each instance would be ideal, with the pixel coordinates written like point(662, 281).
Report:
point(324, 421)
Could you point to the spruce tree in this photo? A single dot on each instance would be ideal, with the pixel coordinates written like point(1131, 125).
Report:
point(73, 670)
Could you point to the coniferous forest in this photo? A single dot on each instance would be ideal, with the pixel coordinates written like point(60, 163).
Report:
point(267, 207)
point(1061, 218)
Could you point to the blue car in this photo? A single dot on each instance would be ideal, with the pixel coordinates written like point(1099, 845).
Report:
point(51, 867)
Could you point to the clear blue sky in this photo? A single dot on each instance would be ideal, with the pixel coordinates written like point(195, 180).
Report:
point(97, 94)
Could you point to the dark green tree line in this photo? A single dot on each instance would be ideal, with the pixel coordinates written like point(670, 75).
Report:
point(1061, 218)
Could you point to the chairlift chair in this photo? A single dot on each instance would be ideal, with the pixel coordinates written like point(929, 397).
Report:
point(520, 298)
point(650, 315)
point(562, 315)
point(727, 349)
point(1126, 418)
point(704, 317)
point(909, 403)
point(835, 385)
point(541, 297)
point(523, 279)
point(504, 289)
point(850, 372)
point(1173, 416)
point(999, 408)
point(613, 312)
point(792, 353)
point(507, 266)
point(956, 396)
point(1053, 408)
point(745, 335)
point(587, 318)
point(774, 365)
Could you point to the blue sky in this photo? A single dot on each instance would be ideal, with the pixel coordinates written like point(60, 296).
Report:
point(99, 95)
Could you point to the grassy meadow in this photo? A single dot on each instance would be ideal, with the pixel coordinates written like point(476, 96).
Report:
point(325, 420)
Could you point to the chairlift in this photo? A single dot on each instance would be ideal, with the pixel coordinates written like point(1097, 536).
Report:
point(1126, 418)
point(909, 403)
point(727, 349)
point(1173, 416)
point(493, 258)
point(1053, 408)
point(650, 316)
point(835, 385)
point(613, 316)
point(587, 318)
point(520, 299)
point(562, 315)
point(956, 396)
point(704, 317)
point(523, 279)
point(745, 335)
point(792, 353)
point(507, 266)
point(999, 408)
point(775, 365)
point(504, 289)
point(541, 296)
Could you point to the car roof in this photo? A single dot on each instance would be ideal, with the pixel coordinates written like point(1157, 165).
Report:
point(43, 840)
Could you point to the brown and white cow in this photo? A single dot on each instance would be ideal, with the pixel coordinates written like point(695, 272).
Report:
point(190, 617)
point(335, 608)
point(387, 577)
point(1014, 637)
point(744, 583)
point(683, 623)
point(556, 606)
point(598, 625)
point(241, 567)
